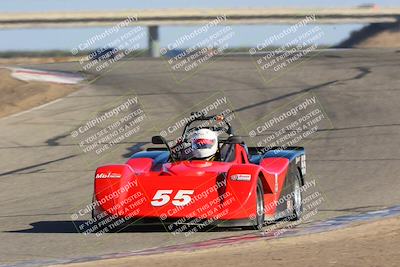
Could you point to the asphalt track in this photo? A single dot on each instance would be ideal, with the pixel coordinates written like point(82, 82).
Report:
point(45, 178)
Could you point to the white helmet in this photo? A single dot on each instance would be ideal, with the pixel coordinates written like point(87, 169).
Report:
point(204, 144)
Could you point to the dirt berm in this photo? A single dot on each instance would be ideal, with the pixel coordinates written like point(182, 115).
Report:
point(17, 96)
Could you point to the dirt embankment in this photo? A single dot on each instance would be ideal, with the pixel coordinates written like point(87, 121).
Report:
point(367, 244)
point(17, 96)
point(375, 35)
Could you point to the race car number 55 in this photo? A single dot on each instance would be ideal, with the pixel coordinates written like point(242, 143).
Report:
point(181, 198)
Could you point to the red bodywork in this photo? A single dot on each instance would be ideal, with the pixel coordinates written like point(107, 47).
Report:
point(213, 190)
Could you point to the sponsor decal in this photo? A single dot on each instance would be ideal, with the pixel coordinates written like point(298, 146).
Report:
point(241, 177)
point(108, 175)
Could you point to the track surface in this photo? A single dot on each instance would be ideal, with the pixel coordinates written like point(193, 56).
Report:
point(44, 177)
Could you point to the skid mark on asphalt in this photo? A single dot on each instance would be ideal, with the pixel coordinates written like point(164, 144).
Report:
point(363, 72)
point(35, 165)
point(318, 86)
point(54, 141)
point(316, 227)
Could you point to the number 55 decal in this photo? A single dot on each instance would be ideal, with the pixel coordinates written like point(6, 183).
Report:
point(181, 198)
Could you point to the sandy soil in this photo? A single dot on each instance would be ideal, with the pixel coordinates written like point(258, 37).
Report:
point(17, 96)
point(368, 244)
point(385, 39)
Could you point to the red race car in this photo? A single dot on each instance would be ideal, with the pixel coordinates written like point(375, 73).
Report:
point(238, 186)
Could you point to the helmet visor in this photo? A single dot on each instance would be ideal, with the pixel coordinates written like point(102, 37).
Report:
point(203, 143)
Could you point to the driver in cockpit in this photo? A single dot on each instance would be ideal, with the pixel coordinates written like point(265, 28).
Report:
point(204, 144)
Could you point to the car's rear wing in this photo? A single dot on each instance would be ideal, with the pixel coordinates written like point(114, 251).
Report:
point(156, 149)
point(254, 150)
point(295, 155)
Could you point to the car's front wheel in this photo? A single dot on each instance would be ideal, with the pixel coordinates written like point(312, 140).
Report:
point(259, 217)
point(297, 198)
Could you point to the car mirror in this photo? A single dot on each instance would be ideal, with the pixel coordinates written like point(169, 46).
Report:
point(158, 140)
point(234, 140)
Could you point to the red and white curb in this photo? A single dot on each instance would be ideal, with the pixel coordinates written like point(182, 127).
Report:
point(26, 74)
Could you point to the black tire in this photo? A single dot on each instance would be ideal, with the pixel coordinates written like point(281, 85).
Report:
point(258, 220)
point(297, 198)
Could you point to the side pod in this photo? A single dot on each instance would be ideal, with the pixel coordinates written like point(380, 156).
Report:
point(242, 183)
point(112, 184)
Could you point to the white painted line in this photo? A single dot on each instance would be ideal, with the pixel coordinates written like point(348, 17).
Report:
point(35, 108)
